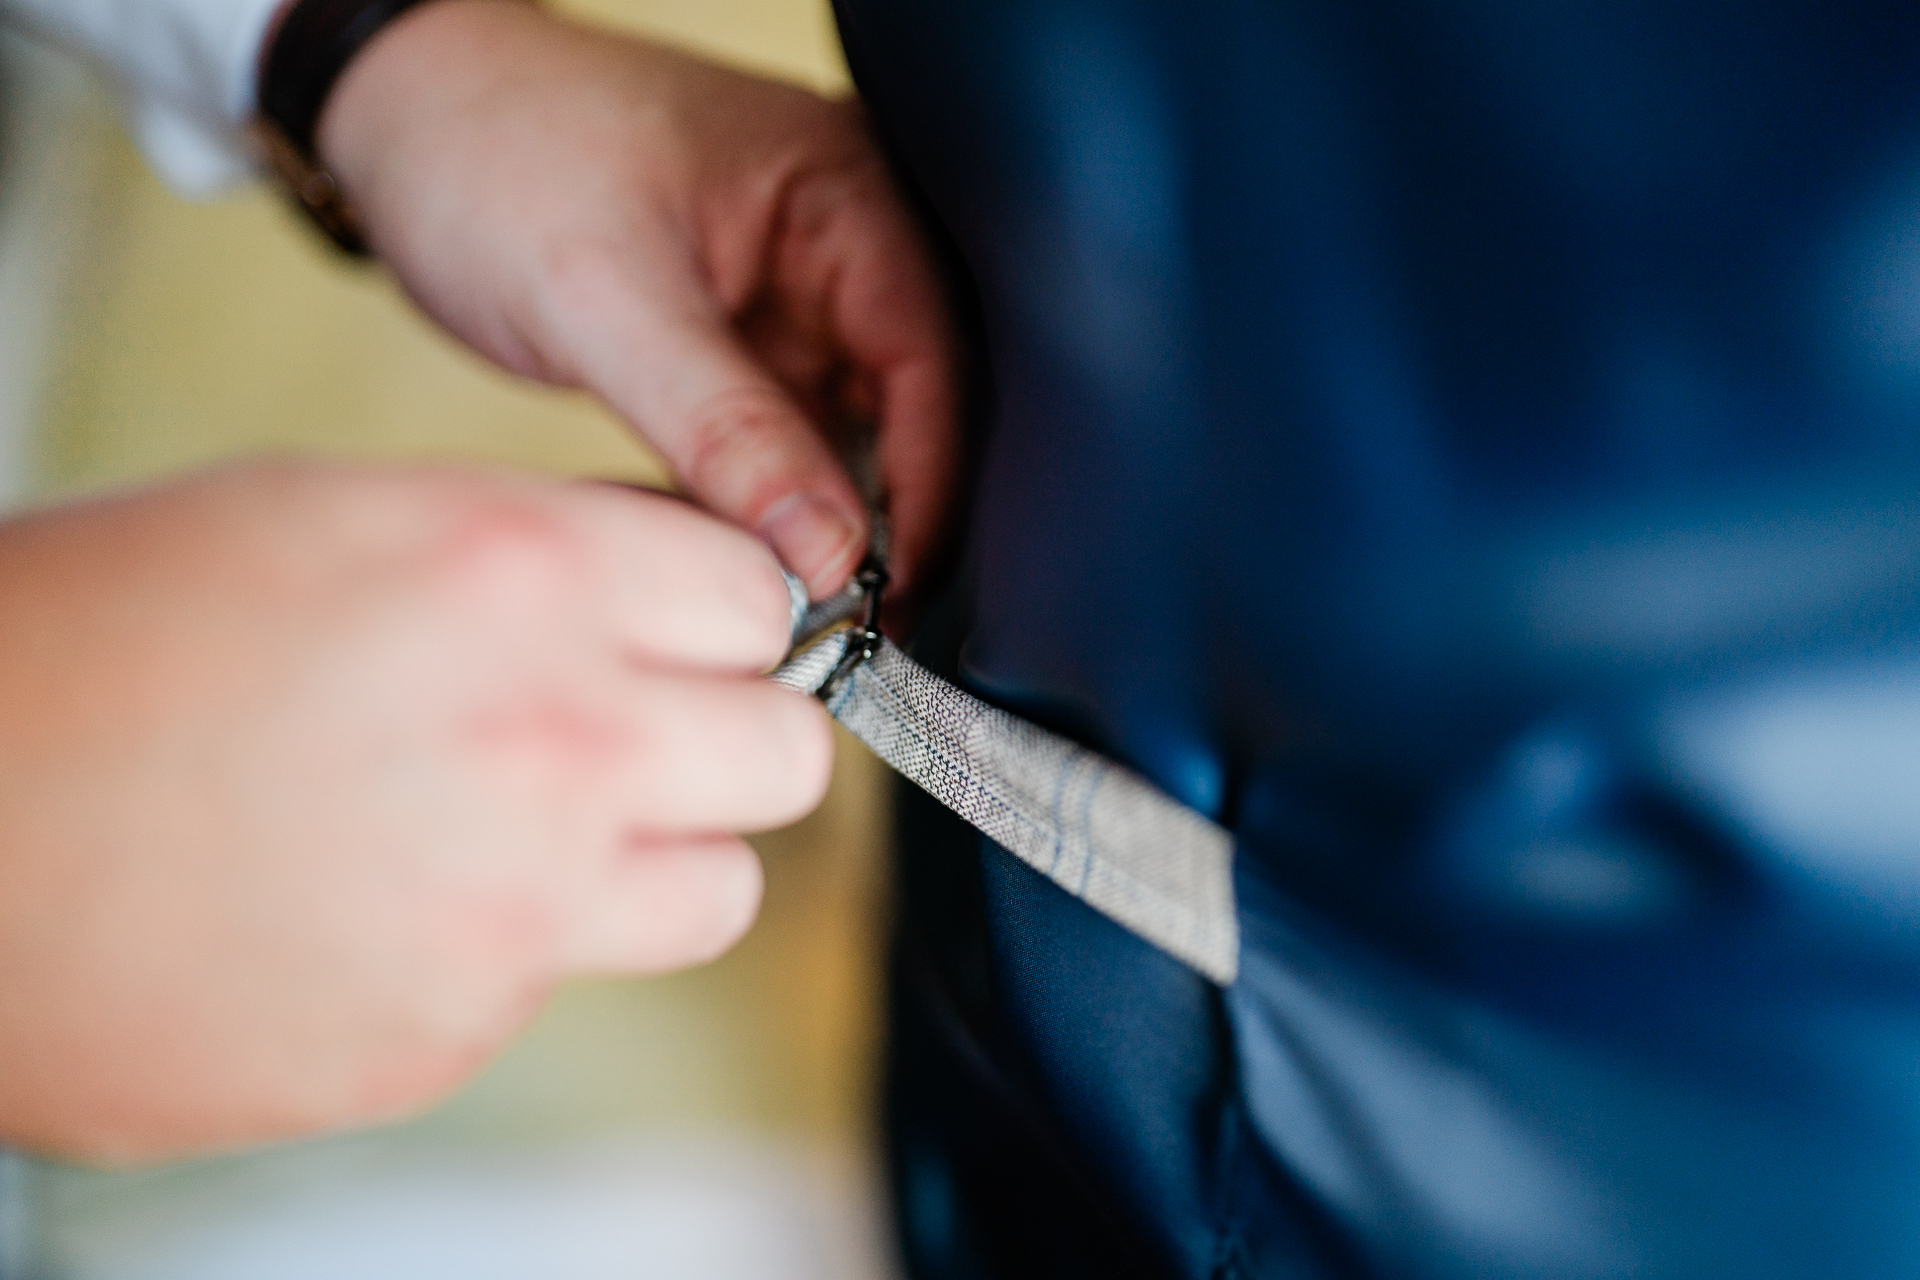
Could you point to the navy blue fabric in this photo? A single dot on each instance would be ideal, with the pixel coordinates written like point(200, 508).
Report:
point(1471, 450)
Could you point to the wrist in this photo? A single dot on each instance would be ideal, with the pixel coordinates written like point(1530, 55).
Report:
point(401, 87)
point(310, 47)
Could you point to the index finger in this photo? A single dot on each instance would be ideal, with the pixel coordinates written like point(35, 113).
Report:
point(892, 317)
point(683, 588)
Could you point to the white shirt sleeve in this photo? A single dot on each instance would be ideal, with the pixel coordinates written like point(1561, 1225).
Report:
point(183, 70)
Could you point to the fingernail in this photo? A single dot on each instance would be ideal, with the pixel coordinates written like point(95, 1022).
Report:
point(797, 601)
point(810, 535)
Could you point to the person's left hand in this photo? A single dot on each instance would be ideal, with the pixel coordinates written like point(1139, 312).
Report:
point(722, 259)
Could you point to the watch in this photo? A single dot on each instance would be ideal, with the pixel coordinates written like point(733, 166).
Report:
point(313, 44)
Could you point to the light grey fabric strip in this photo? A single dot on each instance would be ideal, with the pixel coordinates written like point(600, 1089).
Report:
point(810, 619)
point(1098, 830)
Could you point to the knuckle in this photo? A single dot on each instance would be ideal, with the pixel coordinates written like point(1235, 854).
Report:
point(504, 553)
point(736, 438)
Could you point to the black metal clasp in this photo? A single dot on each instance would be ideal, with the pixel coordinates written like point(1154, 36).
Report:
point(863, 640)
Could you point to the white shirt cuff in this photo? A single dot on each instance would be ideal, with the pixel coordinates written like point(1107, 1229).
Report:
point(184, 72)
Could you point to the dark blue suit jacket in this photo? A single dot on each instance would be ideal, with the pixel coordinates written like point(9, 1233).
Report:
point(1472, 449)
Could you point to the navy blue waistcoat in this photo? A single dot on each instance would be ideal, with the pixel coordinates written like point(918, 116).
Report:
point(1471, 448)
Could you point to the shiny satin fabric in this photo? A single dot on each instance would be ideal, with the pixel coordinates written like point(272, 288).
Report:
point(1472, 451)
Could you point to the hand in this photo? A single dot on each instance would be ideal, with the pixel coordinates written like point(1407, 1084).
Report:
point(722, 259)
point(314, 778)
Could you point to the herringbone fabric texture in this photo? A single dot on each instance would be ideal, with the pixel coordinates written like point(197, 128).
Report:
point(1096, 829)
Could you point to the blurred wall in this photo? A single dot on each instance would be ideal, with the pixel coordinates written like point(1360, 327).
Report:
point(191, 332)
point(143, 336)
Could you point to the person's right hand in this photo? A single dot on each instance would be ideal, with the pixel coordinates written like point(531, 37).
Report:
point(314, 778)
point(722, 259)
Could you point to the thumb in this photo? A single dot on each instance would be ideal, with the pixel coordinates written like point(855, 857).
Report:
point(735, 439)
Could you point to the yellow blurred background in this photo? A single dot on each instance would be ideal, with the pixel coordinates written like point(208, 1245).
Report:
point(712, 1123)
